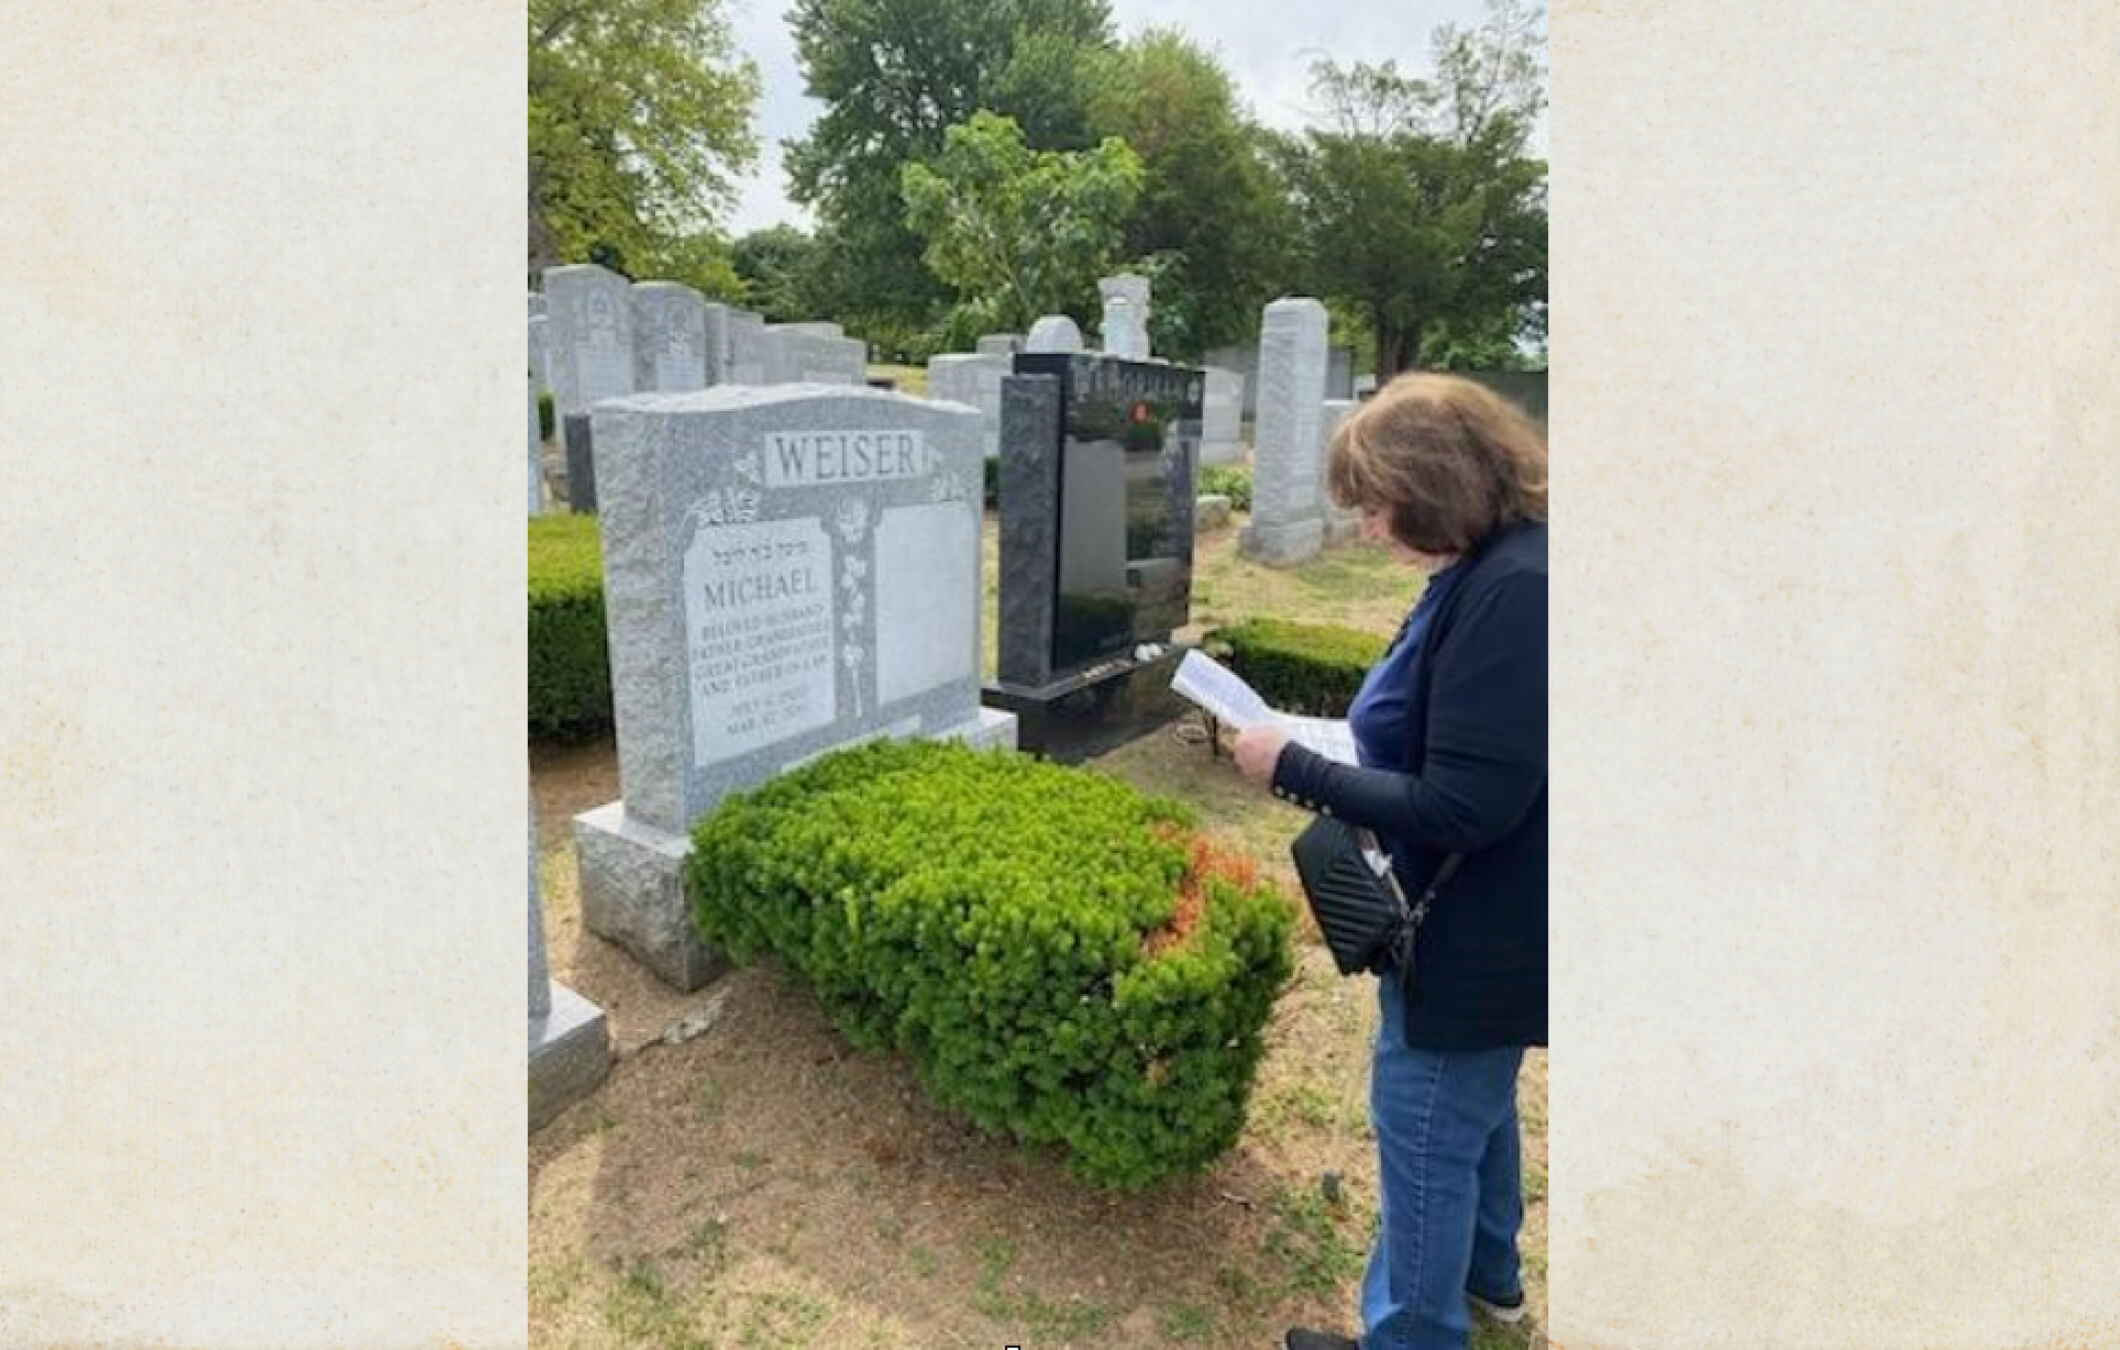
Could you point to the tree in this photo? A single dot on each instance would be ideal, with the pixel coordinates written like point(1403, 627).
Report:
point(640, 114)
point(1018, 232)
point(894, 76)
point(1419, 202)
point(777, 267)
point(1212, 228)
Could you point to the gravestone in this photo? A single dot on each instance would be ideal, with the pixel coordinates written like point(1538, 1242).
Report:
point(1341, 524)
point(1096, 477)
point(787, 570)
point(748, 346)
point(1287, 513)
point(589, 313)
point(570, 1042)
point(1125, 315)
point(715, 319)
point(540, 352)
point(579, 432)
point(999, 344)
point(537, 305)
point(669, 338)
point(962, 377)
point(799, 353)
point(1053, 333)
point(1222, 417)
point(537, 447)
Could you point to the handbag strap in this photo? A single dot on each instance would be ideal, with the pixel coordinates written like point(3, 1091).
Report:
point(1435, 883)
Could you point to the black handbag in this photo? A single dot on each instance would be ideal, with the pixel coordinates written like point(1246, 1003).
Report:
point(1357, 900)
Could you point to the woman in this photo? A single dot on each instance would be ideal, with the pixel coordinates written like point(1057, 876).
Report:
point(1450, 728)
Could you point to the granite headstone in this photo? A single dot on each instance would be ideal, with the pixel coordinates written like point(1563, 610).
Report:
point(787, 570)
point(589, 312)
point(1287, 513)
point(669, 338)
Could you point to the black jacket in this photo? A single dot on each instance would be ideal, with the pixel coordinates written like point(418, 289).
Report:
point(1477, 744)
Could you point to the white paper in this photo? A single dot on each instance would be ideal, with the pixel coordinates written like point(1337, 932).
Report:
point(1224, 695)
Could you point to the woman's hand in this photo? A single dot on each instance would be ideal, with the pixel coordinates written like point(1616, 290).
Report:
point(1257, 751)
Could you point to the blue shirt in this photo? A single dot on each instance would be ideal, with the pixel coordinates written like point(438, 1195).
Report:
point(1378, 715)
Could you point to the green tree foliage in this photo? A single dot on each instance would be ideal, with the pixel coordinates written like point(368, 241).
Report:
point(1018, 232)
point(1419, 202)
point(778, 268)
point(1212, 229)
point(640, 113)
point(894, 76)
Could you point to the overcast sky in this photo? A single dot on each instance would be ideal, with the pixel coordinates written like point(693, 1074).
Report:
point(1266, 45)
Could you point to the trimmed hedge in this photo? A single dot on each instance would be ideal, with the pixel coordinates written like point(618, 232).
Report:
point(1063, 959)
point(1315, 669)
point(570, 663)
point(1224, 480)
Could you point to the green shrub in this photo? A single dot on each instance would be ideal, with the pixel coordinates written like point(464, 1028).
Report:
point(546, 417)
point(1226, 480)
point(570, 665)
point(1064, 961)
point(1314, 669)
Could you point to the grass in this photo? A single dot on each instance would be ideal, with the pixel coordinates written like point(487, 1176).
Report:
point(771, 1187)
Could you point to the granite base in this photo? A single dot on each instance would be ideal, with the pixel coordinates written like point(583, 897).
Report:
point(1095, 710)
point(570, 1052)
point(1282, 545)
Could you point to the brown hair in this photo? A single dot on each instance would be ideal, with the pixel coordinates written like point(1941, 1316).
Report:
point(1445, 460)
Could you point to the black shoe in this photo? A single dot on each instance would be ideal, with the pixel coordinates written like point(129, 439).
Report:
point(1508, 1309)
point(1300, 1338)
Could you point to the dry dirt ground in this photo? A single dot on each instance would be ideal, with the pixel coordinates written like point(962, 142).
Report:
point(763, 1185)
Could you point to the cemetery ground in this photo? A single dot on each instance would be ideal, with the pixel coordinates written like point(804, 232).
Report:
point(744, 1178)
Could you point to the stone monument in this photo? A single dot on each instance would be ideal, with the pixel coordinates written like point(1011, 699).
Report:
point(1053, 333)
point(589, 313)
point(1222, 417)
point(1287, 512)
point(787, 570)
point(669, 338)
point(1125, 315)
point(1341, 524)
point(973, 380)
point(570, 1043)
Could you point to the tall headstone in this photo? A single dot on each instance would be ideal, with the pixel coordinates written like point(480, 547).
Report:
point(579, 432)
point(541, 352)
point(570, 1042)
point(589, 310)
point(787, 570)
point(807, 354)
point(669, 338)
point(1125, 315)
point(749, 347)
point(716, 319)
point(537, 448)
point(1341, 524)
point(1097, 483)
point(1222, 418)
point(962, 377)
point(1054, 333)
point(1287, 513)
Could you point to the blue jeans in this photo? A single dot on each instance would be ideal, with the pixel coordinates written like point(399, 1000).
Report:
point(1450, 1181)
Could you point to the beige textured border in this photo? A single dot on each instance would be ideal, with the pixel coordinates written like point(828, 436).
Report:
point(1836, 698)
point(261, 770)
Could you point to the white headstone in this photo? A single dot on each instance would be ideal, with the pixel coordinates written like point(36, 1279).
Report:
point(537, 455)
point(786, 570)
point(1341, 524)
point(1287, 512)
point(1222, 433)
point(570, 1041)
point(1054, 333)
point(974, 380)
point(1126, 301)
point(541, 351)
point(999, 344)
point(590, 313)
point(669, 338)
point(749, 347)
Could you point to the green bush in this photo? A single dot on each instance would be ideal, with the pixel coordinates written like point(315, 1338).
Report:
point(1224, 480)
point(1064, 961)
point(546, 417)
point(1314, 669)
point(570, 665)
